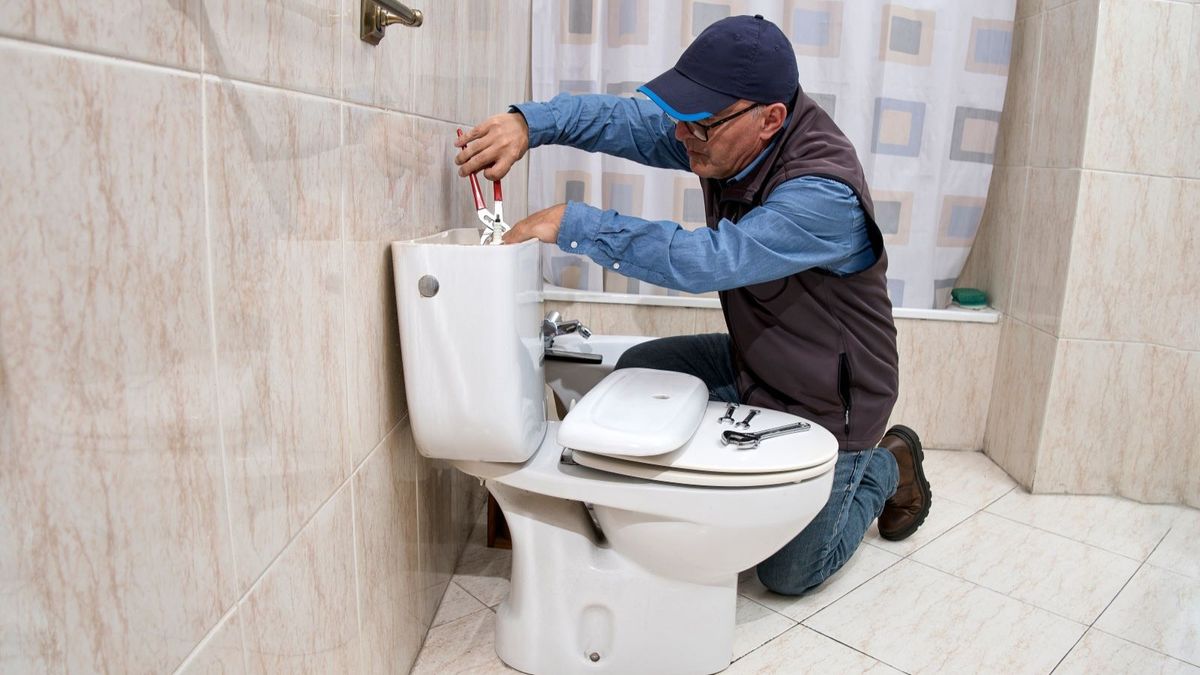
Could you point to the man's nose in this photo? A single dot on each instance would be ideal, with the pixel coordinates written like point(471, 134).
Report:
point(681, 131)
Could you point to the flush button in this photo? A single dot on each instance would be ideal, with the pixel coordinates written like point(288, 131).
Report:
point(428, 286)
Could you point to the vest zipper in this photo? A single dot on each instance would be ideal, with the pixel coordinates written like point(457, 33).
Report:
point(844, 382)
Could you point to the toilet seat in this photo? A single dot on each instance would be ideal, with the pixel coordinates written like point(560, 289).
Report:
point(660, 426)
point(635, 469)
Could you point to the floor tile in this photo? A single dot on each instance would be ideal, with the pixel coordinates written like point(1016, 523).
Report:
point(1158, 609)
point(484, 572)
point(1061, 575)
point(968, 478)
point(1099, 653)
point(921, 620)
point(755, 626)
point(1111, 523)
point(866, 562)
point(1180, 549)
point(801, 650)
point(467, 645)
point(943, 515)
point(456, 603)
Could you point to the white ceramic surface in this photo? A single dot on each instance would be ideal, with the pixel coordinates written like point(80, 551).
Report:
point(652, 589)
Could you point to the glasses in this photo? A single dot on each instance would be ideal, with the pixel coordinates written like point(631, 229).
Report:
point(701, 131)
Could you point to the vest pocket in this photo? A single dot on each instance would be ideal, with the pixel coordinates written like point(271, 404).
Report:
point(767, 290)
point(844, 388)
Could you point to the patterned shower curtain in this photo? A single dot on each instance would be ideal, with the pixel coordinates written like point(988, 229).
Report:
point(917, 87)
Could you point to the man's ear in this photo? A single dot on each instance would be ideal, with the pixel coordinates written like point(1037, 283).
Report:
point(774, 116)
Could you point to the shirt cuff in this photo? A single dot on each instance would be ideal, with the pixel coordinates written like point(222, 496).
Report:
point(577, 231)
point(541, 122)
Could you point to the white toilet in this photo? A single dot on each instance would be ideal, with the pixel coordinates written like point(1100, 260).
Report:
point(649, 584)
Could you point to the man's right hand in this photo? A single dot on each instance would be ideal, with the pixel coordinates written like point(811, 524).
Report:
point(494, 145)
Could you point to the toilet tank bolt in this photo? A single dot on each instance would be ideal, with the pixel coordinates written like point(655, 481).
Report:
point(594, 657)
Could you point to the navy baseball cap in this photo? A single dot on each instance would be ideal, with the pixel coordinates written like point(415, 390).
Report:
point(739, 57)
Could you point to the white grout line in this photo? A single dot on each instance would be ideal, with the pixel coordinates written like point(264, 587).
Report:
point(208, 637)
point(216, 362)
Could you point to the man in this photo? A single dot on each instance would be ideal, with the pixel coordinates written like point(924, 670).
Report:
point(791, 245)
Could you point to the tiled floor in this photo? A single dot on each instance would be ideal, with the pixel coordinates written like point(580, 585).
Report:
point(996, 581)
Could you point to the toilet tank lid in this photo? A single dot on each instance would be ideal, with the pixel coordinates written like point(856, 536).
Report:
point(636, 412)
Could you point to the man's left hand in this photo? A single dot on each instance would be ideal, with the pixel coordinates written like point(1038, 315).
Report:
point(542, 225)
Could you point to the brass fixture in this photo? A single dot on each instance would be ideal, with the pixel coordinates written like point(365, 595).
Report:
point(379, 14)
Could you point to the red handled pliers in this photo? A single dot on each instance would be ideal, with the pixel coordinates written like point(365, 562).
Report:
point(494, 226)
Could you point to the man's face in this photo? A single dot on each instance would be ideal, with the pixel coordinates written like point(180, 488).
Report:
point(731, 146)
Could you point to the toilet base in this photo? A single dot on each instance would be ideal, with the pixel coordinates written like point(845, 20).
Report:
point(575, 605)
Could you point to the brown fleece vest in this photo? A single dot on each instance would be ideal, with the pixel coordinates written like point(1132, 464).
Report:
point(813, 344)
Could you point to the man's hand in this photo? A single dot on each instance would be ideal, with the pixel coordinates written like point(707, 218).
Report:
point(495, 145)
point(542, 225)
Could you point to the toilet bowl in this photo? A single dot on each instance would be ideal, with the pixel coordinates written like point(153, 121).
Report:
point(630, 518)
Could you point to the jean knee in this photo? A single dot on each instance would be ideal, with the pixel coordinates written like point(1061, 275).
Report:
point(795, 578)
point(637, 356)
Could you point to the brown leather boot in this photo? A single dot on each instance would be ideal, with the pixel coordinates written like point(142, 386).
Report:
point(906, 510)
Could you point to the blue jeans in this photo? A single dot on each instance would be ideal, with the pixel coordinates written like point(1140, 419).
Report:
point(862, 481)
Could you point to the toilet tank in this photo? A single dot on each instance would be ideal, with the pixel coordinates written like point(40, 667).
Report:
point(470, 335)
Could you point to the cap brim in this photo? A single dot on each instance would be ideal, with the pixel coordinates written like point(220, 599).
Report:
point(684, 99)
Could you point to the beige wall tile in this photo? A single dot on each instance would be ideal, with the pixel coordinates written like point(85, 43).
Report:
point(711, 321)
point(1016, 122)
point(1064, 81)
point(1122, 234)
point(290, 43)
point(481, 65)
point(301, 616)
point(116, 552)
point(946, 380)
point(1177, 276)
point(274, 164)
point(1044, 248)
point(159, 31)
point(1092, 416)
point(402, 73)
point(495, 57)
point(993, 256)
point(1026, 8)
point(221, 653)
point(385, 503)
point(435, 490)
point(384, 186)
point(1187, 163)
point(1019, 392)
point(1169, 469)
point(1141, 59)
point(644, 320)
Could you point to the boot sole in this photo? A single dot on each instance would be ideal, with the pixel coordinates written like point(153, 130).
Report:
point(914, 442)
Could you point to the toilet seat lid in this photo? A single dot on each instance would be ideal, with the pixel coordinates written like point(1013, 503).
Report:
point(636, 411)
point(636, 469)
point(704, 452)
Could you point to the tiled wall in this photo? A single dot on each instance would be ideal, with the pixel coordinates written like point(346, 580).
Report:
point(205, 458)
point(1089, 246)
point(946, 367)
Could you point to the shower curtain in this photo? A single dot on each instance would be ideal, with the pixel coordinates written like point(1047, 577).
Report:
point(917, 87)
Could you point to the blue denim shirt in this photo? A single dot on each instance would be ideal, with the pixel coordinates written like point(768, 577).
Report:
point(804, 223)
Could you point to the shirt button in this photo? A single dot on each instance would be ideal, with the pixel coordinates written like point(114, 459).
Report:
point(574, 244)
point(616, 266)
